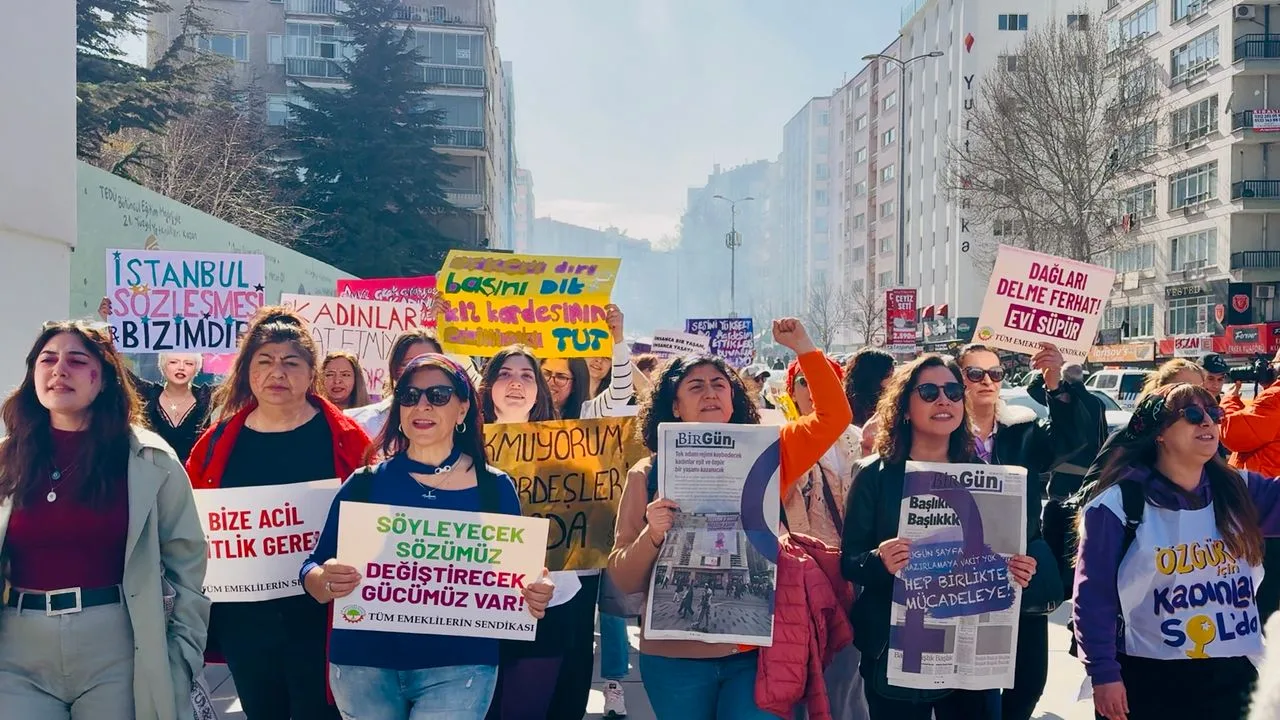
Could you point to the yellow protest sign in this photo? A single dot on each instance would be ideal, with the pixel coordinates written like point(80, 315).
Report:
point(553, 304)
point(571, 472)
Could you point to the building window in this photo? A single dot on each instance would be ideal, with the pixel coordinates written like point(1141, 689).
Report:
point(1137, 24)
point(1194, 250)
point(820, 198)
point(277, 110)
point(820, 144)
point(1002, 228)
point(860, 123)
point(1138, 84)
point(1134, 321)
point(446, 48)
point(824, 118)
point(886, 173)
point(885, 279)
point(234, 45)
point(859, 221)
point(889, 101)
point(1194, 121)
point(886, 209)
point(1184, 8)
point(860, 188)
point(1077, 22)
point(820, 225)
point(1139, 202)
point(887, 137)
point(1008, 62)
point(1190, 61)
point(860, 90)
point(1188, 316)
point(886, 245)
point(1011, 22)
point(1131, 259)
point(1138, 144)
point(1193, 186)
point(275, 49)
point(820, 171)
point(860, 155)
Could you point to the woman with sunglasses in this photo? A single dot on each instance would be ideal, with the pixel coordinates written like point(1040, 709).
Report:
point(279, 431)
point(1165, 613)
point(434, 445)
point(1010, 435)
point(689, 680)
point(98, 531)
point(922, 418)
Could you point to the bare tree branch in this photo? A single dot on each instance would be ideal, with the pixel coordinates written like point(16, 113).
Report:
point(827, 312)
point(866, 317)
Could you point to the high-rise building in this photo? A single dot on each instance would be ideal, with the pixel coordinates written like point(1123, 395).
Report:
point(524, 208)
point(805, 203)
point(277, 43)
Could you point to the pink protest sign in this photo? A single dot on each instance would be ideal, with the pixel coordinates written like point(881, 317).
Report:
point(1035, 298)
point(420, 290)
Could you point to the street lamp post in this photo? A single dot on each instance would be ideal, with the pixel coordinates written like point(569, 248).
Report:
point(902, 152)
point(733, 241)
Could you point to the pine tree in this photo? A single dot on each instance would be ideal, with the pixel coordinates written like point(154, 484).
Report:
point(115, 95)
point(366, 162)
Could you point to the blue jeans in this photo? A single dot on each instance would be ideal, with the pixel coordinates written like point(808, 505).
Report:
point(615, 648)
point(713, 689)
point(455, 692)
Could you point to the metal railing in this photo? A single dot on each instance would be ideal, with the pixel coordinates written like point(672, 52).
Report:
point(1255, 189)
point(312, 7)
point(467, 199)
point(470, 77)
point(1258, 46)
point(313, 68)
point(430, 14)
point(463, 138)
point(1255, 259)
point(1242, 120)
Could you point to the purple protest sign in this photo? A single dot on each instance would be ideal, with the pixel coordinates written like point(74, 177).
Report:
point(732, 339)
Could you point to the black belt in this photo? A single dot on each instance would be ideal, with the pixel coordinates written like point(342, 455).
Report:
point(63, 602)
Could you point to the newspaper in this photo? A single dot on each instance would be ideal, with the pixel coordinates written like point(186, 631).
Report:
point(716, 574)
point(955, 604)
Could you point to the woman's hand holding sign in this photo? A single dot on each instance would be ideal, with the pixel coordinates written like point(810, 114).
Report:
point(894, 553)
point(1022, 567)
point(332, 580)
point(1049, 362)
point(537, 595)
point(661, 516)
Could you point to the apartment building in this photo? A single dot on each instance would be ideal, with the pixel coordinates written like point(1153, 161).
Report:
point(524, 207)
point(807, 205)
point(1201, 261)
point(278, 43)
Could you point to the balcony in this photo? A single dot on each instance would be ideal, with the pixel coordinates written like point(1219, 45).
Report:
point(428, 14)
point(1256, 195)
point(314, 7)
point(465, 199)
point(1256, 125)
point(305, 67)
point(451, 76)
point(463, 138)
point(1258, 46)
point(1255, 260)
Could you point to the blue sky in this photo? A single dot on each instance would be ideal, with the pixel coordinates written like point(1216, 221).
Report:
point(622, 105)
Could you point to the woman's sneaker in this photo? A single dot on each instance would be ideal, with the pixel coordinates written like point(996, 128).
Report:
point(615, 701)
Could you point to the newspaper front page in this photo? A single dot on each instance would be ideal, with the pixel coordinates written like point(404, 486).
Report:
point(717, 571)
point(955, 604)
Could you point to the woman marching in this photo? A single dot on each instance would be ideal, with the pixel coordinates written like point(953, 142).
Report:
point(1168, 520)
point(434, 445)
point(99, 530)
point(687, 680)
point(343, 378)
point(922, 418)
point(278, 431)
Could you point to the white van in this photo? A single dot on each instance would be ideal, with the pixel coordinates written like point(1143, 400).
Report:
point(1122, 385)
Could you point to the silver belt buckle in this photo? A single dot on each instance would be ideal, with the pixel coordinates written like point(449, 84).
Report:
point(48, 602)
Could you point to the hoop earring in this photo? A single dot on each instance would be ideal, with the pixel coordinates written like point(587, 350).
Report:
point(461, 427)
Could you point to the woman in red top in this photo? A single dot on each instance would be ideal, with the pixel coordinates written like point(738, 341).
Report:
point(280, 431)
point(99, 529)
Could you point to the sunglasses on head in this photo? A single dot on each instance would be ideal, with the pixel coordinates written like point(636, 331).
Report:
point(1195, 414)
point(974, 374)
point(438, 395)
point(929, 392)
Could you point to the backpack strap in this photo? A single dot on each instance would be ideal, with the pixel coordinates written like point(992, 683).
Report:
point(1134, 499)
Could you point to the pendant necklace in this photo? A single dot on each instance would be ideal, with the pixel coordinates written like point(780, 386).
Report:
point(55, 479)
point(443, 468)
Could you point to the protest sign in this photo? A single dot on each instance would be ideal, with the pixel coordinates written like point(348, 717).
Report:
point(954, 619)
point(439, 572)
point(260, 536)
point(570, 472)
point(196, 302)
point(673, 343)
point(420, 290)
point(1035, 298)
point(553, 304)
point(900, 319)
point(732, 339)
point(367, 328)
point(716, 573)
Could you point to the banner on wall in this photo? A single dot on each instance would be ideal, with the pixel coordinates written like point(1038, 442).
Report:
point(1034, 298)
point(900, 319)
point(420, 290)
point(367, 328)
point(732, 339)
point(165, 301)
point(553, 304)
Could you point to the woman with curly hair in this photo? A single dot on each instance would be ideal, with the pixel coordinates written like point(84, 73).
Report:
point(686, 679)
point(922, 418)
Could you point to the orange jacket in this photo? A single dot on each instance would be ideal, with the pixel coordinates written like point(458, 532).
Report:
point(806, 440)
point(1252, 432)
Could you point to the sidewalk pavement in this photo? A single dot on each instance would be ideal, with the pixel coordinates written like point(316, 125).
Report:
point(1057, 703)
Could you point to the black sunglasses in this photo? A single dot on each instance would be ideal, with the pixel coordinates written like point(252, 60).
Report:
point(929, 392)
point(438, 395)
point(1195, 414)
point(974, 374)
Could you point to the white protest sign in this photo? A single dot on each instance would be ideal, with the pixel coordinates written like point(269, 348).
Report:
point(673, 343)
point(439, 572)
point(1035, 298)
point(260, 536)
point(367, 328)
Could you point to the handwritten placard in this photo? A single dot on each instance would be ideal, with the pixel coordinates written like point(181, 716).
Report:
point(367, 328)
point(732, 339)
point(439, 572)
point(163, 301)
point(673, 343)
point(1035, 298)
point(553, 304)
point(420, 290)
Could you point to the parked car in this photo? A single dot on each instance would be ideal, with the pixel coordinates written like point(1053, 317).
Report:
point(1117, 417)
point(1121, 385)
